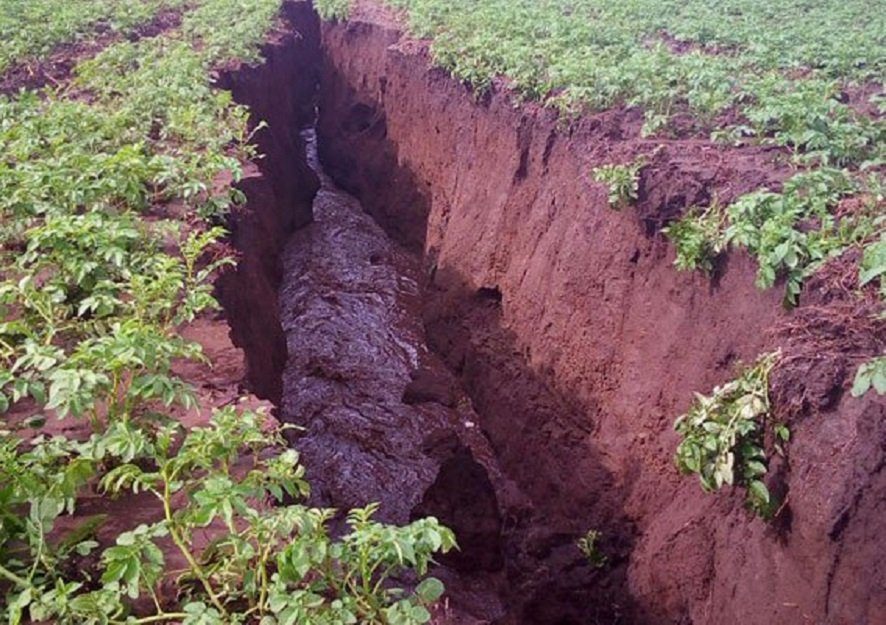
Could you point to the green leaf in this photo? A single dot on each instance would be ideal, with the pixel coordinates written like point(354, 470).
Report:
point(861, 384)
point(783, 432)
point(754, 469)
point(430, 590)
point(759, 491)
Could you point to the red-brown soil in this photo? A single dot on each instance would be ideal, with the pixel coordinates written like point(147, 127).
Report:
point(279, 189)
point(278, 197)
point(578, 344)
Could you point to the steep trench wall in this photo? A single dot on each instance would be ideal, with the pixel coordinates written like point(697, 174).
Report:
point(279, 188)
point(579, 343)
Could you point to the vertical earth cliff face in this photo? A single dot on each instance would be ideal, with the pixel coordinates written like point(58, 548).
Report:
point(279, 189)
point(579, 343)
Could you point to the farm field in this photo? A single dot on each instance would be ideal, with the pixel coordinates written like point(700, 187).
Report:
point(783, 74)
point(577, 306)
point(111, 241)
point(32, 29)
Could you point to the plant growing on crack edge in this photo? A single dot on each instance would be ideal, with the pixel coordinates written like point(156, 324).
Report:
point(622, 182)
point(337, 10)
point(268, 562)
point(872, 374)
point(723, 436)
point(790, 234)
point(589, 547)
point(697, 237)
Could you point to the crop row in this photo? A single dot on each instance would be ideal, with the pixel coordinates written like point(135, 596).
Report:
point(663, 56)
point(781, 73)
point(110, 204)
point(30, 29)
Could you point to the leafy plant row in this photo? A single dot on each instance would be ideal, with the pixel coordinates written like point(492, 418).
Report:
point(270, 560)
point(111, 200)
point(776, 73)
point(784, 63)
point(333, 9)
point(30, 29)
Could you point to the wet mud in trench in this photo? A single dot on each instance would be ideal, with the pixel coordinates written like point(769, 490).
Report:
point(384, 420)
point(386, 374)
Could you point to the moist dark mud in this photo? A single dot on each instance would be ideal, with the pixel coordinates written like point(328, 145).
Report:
point(383, 419)
point(386, 420)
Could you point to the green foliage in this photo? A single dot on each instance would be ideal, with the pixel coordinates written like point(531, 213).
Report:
point(93, 295)
point(30, 29)
point(723, 436)
point(270, 560)
point(333, 9)
point(242, 28)
point(588, 546)
point(698, 237)
point(781, 70)
point(665, 56)
point(789, 233)
point(873, 264)
point(99, 338)
point(871, 374)
point(621, 181)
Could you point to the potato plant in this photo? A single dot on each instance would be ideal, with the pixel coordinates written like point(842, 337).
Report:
point(789, 233)
point(30, 29)
point(109, 242)
point(622, 182)
point(722, 436)
point(662, 56)
point(872, 374)
point(333, 9)
point(271, 560)
point(590, 549)
point(786, 68)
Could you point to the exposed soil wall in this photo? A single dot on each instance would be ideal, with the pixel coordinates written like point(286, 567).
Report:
point(279, 190)
point(579, 343)
point(381, 418)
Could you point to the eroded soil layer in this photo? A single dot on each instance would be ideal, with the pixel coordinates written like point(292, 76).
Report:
point(577, 344)
point(496, 347)
point(279, 189)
